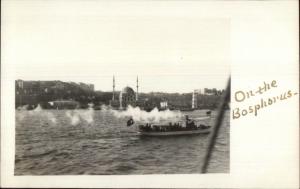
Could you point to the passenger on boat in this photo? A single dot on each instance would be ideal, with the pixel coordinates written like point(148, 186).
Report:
point(170, 127)
point(155, 128)
point(142, 127)
point(147, 127)
point(190, 124)
point(187, 118)
point(203, 126)
point(176, 126)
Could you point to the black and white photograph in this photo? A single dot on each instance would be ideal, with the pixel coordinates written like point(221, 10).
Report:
point(106, 95)
point(64, 128)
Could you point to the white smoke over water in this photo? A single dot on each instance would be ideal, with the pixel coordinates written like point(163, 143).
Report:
point(22, 112)
point(155, 116)
point(38, 108)
point(22, 108)
point(77, 116)
point(38, 111)
point(74, 118)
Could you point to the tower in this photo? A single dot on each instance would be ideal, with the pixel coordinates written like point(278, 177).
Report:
point(113, 97)
point(137, 89)
point(120, 100)
point(194, 100)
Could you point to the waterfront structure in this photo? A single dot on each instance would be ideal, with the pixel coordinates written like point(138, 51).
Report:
point(64, 104)
point(164, 105)
point(194, 100)
point(126, 97)
point(213, 91)
point(41, 92)
point(39, 87)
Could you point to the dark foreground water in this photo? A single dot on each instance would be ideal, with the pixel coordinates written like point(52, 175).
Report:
point(61, 142)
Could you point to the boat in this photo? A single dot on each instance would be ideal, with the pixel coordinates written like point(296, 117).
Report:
point(176, 132)
point(187, 128)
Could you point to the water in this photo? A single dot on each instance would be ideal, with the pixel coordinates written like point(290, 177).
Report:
point(49, 142)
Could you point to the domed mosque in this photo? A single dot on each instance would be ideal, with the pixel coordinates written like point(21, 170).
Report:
point(126, 97)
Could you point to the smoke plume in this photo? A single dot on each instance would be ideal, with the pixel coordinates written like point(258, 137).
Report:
point(78, 116)
point(139, 115)
point(38, 112)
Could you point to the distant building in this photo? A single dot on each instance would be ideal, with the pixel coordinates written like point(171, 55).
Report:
point(126, 97)
point(40, 92)
point(164, 104)
point(27, 87)
point(62, 104)
point(198, 91)
point(213, 91)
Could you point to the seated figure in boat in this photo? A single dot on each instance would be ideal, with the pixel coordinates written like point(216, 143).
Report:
point(190, 124)
point(201, 126)
point(177, 127)
point(146, 127)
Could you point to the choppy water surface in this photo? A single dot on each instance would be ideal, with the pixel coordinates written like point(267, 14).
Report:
point(55, 142)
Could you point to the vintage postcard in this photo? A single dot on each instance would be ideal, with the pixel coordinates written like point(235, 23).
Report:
point(149, 94)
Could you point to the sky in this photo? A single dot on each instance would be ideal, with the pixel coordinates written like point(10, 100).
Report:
point(90, 41)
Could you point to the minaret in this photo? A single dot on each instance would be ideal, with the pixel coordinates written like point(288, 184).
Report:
point(120, 99)
point(113, 97)
point(137, 89)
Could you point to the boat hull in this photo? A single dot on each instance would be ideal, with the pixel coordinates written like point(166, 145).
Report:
point(173, 133)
